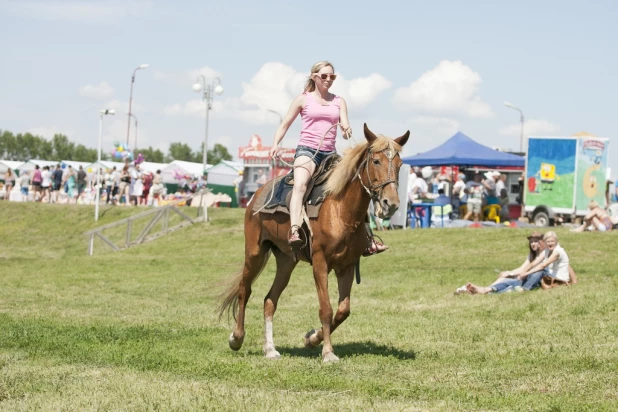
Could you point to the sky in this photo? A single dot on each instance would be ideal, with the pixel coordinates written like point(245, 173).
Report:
point(434, 68)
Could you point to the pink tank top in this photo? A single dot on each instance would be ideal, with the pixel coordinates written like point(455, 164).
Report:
point(317, 118)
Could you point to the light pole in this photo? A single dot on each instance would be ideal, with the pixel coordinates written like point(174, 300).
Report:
point(278, 114)
point(141, 66)
point(207, 89)
point(98, 193)
point(521, 118)
point(134, 118)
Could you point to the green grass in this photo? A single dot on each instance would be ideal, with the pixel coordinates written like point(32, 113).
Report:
point(137, 329)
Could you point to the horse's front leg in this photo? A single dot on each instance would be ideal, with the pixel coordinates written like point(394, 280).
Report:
point(320, 276)
point(345, 278)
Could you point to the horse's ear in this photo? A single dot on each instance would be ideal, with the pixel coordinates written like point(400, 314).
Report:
point(369, 134)
point(403, 139)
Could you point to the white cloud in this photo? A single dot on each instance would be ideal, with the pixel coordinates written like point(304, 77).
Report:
point(101, 91)
point(48, 132)
point(449, 88)
point(274, 87)
point(187, 78)
point(532, 127)
point(80, 11)
point(427, 132)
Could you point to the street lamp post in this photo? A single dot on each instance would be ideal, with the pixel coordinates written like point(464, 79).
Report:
point(207, 89)
point(98, 193)
point(135, 145)
point(278, 114)
point(141, 66)
point(521, 118)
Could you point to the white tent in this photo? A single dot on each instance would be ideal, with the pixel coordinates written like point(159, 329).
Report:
point(105, 164)
point(224, 173)
point(30, 165)
point(152, 167)
point(8, 164)
point(181, 168)
point(75, 164)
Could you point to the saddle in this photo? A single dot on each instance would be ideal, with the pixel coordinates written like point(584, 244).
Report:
point(278, 199)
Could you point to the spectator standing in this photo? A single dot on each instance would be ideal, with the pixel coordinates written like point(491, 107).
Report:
point(37, 178)
point(147, 184)
point(474, 192)
point(70, 184)
point(57, 182)
point(116, 189)
point(109, 185)
point(81, 181)
point(157, 188)
point(125, 183)
point(500, 184)
point(46, 184)
point(24, 183)
point(9, 182)
point(261, 179)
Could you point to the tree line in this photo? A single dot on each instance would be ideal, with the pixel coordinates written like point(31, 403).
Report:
point(26, 146)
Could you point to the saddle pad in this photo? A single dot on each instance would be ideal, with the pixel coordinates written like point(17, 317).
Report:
point(274, 200)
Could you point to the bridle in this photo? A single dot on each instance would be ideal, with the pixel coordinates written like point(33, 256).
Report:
point(375, 190)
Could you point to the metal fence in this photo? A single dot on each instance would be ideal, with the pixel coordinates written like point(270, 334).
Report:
point(149, 225)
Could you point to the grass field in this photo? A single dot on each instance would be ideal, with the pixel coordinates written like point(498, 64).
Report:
point(137, 330)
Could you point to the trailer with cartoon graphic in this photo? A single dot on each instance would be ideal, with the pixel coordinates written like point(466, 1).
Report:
point(563, 174)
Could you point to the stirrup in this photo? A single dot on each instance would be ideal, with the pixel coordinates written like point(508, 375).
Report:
point(375, 246)
point(294, 238)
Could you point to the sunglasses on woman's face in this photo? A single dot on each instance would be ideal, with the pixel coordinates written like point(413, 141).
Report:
point(325, 76)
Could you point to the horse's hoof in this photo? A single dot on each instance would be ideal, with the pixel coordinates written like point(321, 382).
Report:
point(330, 357)
point(235, 344)
point(308, 335)
point(272, 354)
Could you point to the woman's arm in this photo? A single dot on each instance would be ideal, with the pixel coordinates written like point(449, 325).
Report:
point(289, 118)
point(542, 265)
point(343, 119)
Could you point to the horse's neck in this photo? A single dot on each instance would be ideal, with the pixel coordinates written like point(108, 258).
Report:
point(354, 201)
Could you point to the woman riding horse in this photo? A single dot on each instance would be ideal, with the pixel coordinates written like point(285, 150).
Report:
point(320, 111)
point(367, 172)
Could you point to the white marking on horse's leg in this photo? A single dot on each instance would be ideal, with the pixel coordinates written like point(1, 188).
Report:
point(234, 343)
point(330, 357)
point(269, 344)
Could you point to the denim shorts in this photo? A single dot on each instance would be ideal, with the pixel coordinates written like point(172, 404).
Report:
point(310, 152)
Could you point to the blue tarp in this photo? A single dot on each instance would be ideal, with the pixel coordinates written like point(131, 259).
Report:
point(460, 150)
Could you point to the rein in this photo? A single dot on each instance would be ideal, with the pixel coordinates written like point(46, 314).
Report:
point(375, 190)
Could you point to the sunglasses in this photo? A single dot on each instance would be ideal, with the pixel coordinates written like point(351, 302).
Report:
point(325, 76)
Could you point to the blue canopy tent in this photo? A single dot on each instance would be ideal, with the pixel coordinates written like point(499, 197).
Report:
point(460, 150)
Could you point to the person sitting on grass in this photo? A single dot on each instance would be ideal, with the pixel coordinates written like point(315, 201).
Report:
point(596, 219)
point(535, 256)
point(554, 265)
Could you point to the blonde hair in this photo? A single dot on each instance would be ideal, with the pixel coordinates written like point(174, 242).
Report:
point(346, 169)
point(550, 234)
point(310, 83)
point(593, 203)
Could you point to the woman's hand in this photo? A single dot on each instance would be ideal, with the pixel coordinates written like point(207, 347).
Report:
point(274, 151)
point(347, 132)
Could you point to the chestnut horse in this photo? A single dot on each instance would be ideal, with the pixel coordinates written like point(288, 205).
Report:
point(368, 171)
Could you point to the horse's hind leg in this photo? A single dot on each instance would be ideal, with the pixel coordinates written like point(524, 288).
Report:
point(345, 279)
point(255, 260)
point(285, 266)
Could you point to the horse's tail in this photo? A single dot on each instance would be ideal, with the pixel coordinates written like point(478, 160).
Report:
point(229, 297)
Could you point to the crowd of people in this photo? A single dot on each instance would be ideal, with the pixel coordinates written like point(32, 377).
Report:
point(129, 186)
point(475, 193)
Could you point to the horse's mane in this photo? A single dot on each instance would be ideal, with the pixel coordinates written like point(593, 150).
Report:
point(345, 170)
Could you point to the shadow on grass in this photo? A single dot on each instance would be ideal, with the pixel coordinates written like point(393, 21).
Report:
point(351, 349)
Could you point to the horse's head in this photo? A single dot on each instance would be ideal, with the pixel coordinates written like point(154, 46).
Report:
point(382, 171)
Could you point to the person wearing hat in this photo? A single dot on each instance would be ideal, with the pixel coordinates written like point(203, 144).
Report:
point(474, 197)
point(509, 279)
point(239, 186)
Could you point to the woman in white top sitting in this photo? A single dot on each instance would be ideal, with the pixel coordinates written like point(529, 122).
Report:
point(555, 266)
